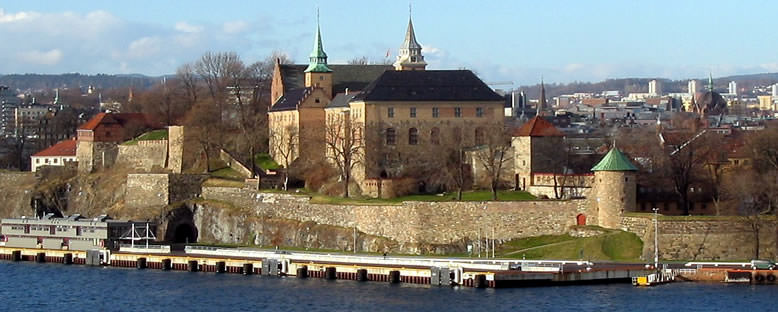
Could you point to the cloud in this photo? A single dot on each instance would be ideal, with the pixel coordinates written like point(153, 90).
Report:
point(51, 57)
point(144, 47)
point(234, 27)
point(188, 28)
point(9, 18)
point(101, 42)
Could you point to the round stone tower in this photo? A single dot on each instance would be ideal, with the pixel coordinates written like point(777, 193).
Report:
point(614, 188)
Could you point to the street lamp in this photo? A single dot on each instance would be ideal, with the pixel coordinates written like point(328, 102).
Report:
point(656, 239)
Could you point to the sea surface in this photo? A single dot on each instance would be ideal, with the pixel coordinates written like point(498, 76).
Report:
point(28, 286)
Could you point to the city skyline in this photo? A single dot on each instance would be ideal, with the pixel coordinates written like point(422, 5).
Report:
point(561, 41)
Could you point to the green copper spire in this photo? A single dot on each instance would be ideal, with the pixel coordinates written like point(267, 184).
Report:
point(318, 58)
point(710, 81)
point(615, 161)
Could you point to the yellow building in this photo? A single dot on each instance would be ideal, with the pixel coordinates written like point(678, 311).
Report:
point(765, 102)
point(394, 118)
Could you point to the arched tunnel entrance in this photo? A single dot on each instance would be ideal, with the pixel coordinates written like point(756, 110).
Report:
point(180, 228)
point(184, 234)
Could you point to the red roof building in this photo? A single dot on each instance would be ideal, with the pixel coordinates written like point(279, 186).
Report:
point(538, 127)
point(113, 127)
point(57, 155)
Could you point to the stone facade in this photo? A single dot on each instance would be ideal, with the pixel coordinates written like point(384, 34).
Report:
point(416, 222)
point(181, 150)
point(160, 189)
point(95, 155)
point(387, 188)
point(144, 155)
point(614, 193)
point(723, 239)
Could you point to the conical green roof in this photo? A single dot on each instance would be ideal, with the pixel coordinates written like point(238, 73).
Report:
point(615, 161)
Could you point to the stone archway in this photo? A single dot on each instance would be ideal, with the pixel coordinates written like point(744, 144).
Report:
point(180, 227)
point(184, 233)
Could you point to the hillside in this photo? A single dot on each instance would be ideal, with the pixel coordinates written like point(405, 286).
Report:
point(639, 85)
point(75, 80)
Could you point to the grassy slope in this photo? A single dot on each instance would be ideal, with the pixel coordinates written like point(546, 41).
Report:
point(612, 246)
point(149, 136)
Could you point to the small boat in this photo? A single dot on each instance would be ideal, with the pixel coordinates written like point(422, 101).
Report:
point(653, 279)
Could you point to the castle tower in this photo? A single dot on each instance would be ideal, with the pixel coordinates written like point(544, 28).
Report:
point(317, 74)
point(615, 188)
point(410, 57)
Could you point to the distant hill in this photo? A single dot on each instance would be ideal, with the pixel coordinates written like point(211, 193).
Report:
point(35, 82)
point(638, 85)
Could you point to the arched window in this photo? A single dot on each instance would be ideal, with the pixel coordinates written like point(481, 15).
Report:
point(413, 136)
point(435, 136)
point(457, 135)
point(391, 136)
point(479, 136)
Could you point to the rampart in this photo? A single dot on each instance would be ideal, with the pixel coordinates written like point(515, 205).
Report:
point(700, 239)
point(416, 222)
point(144, 155)
point(160, 189)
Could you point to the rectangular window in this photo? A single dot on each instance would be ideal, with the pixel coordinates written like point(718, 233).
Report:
point(457, 112)
point(435, 112)
point(413, 112)
point(479, 112)
point(390, 112)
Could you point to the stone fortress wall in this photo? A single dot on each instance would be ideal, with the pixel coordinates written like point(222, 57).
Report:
point(724, 239)
point(144, 155)
point(416, 222)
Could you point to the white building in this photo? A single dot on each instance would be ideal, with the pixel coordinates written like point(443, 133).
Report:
point(655, 87)
point(60, 154)
point(775, 91)
point(693, 87)
point(733, 87)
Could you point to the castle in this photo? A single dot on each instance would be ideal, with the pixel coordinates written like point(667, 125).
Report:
point(386, 118)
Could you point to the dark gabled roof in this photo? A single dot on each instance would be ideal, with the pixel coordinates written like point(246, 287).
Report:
point(428, 85)
point(341, 100)
point(352, 77)
point(289, 100)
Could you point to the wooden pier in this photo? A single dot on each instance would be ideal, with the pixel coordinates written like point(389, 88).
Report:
point(479, 273)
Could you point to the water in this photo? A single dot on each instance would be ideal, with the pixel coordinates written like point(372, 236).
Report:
point(48, 287)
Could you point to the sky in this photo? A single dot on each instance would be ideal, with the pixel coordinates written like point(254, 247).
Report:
point(511, 42)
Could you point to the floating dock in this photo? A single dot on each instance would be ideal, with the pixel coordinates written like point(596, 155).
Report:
point(480, 273)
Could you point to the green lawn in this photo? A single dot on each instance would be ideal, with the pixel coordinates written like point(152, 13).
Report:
point(149, 136)
point(265, 162)
point(228, 174)
point(610, 246)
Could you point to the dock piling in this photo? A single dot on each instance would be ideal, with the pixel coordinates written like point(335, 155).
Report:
point(330, 273)
point(68, 258)
point(302, 272)
point(192, 266)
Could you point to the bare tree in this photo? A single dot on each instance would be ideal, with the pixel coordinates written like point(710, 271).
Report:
point(344, 146)
point(215, 69)
point(359, 61)
point(493, 155)
point(285, 142)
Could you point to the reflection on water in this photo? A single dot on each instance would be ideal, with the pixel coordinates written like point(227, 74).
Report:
point(32, 286)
